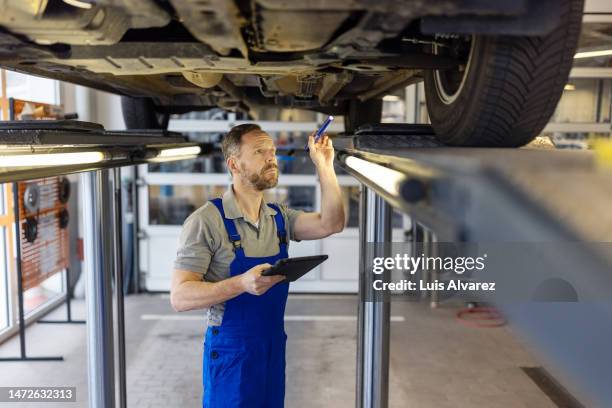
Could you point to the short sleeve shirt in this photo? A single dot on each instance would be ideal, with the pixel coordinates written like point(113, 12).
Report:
point(204, 246)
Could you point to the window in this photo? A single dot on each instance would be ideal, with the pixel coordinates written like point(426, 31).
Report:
point(172, 204)
point(205, 164)
point(39, 90)
point(31, 88)
point(584, 100)
point(296, 197)
point(41, 295)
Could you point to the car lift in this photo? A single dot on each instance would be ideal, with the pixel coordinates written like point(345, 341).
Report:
point(473, 195)
point(466, 195)
point(56, 143)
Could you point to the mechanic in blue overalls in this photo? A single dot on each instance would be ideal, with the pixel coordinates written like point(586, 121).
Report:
point(224, 247)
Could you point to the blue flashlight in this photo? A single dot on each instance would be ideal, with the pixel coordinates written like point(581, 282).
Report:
point(322, 129)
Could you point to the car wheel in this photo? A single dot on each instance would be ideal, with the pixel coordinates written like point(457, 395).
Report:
point(361, 112)
point(140, 113)
point(506, 88)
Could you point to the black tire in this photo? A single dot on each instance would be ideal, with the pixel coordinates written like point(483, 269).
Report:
point(140, 113)
point(361, 113)
point(511, 87)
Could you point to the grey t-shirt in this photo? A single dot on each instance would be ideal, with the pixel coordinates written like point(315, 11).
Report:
point(204, 246)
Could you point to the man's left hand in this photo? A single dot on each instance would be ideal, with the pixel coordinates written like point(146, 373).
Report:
point(321, 152)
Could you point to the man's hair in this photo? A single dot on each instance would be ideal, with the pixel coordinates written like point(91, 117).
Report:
point(230, 145)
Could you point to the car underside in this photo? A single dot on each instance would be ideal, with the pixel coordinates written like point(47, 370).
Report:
point(336, 57)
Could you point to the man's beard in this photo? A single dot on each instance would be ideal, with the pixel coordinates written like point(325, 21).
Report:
point(259, 180)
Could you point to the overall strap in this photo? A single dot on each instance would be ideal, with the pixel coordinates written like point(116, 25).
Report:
point(230, 227)
point(280, 227)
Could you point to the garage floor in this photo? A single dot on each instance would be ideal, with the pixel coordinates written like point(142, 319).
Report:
point(435, 361)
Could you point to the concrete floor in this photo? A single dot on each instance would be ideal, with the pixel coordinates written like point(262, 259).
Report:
point(435, 361)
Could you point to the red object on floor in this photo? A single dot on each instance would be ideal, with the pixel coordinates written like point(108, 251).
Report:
point(485, 317)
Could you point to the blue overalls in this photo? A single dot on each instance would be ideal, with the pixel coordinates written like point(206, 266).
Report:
point(244, 357)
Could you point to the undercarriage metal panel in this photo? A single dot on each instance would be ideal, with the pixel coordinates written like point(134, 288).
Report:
point(295, 50)
point(214, 22)
point(414, 7)
point(284, 31)
point(152, 66)
point(104, 23)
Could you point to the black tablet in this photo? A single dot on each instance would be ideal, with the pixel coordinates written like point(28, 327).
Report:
point(294, 268)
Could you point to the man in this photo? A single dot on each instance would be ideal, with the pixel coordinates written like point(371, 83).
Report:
point(225, 246)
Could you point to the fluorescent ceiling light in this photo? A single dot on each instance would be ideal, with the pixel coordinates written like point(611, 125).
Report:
point(386, 178)
point(592, 54)
point(391, 98)
point(176, 153)
point(569, 87)
point(179, 151)
point(79, 4)
point(50, 159)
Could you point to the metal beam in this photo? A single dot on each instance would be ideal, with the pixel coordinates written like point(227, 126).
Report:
point(31, 150)
point(113, 157)
point(97, 208)
point(493, 197)
point(404, 183)
point(118, 273)
point(221, 126)
point(363, 219)
point(43, 149)
point(373, 358)
point(74, 132)
point(135, 230)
